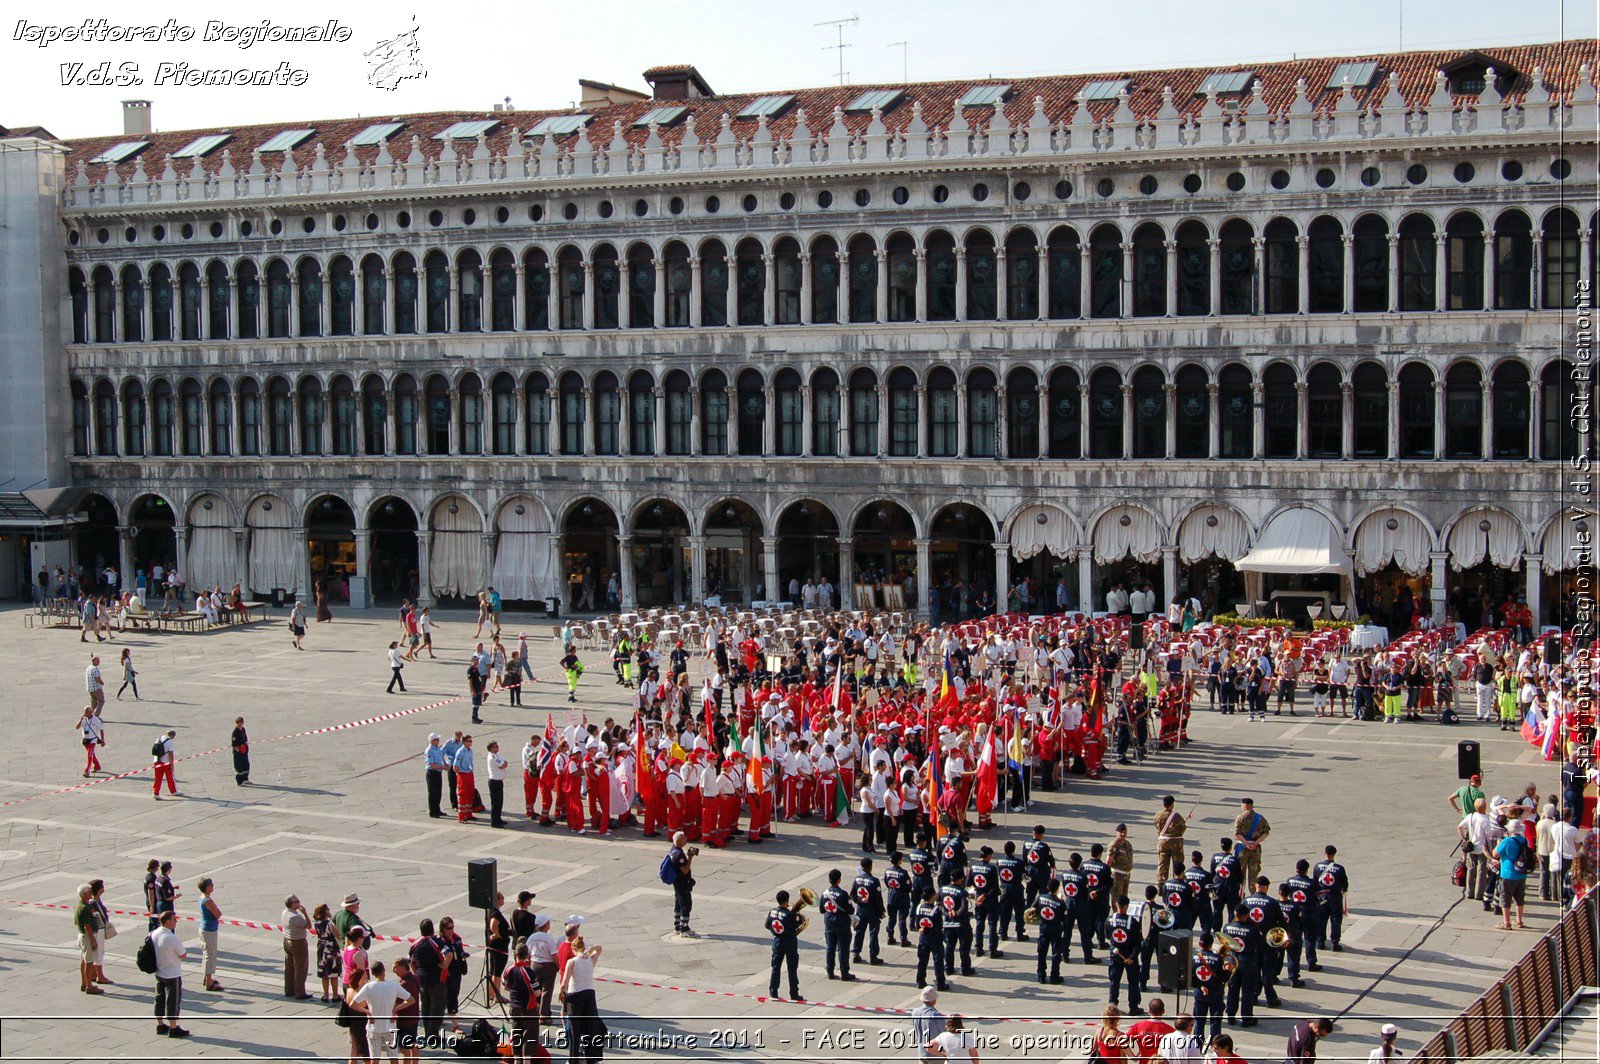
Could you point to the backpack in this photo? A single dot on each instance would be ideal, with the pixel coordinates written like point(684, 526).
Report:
point(146, 957)
point(669, 870)
point(1526, 862)
point(158, 748)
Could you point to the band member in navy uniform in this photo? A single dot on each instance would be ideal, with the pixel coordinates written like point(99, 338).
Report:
point(920, 861)
point(1227, 883)
point(1244, 986)
point(1210, 985)
point(1303, 892)
point(869, 912)
point(1075, 889)
point(1040, 861)
point(1260, 910)
point(1294, 921)
point(986, 904)
point(1144, 914)
point(897, 887)
point(957, 923)
point(952, 858)
point(1122, 932)
point(1198, 879)
point(1010, 870)
point(1052, 930)
point(1097, 874)
point(929, 922)
point(1333, 883)
point(835, 905)
point(784, 923)
point(1175, 896)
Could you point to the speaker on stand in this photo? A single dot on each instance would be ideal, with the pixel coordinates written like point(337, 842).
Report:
point(1173, 965)
point(1468, 759)
point(482, 886)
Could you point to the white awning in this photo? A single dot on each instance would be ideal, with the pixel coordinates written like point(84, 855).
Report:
point(1126, 531)
point(1407, 544)
point(1501, 542)
point(1041, 528)
point(1297, 541)
point(1212, 530)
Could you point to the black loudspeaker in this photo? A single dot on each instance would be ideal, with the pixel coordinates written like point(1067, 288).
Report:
point(1552, 650)
point(1172, 959)
point(482, 876)
point(1136, 636)
point(1467, 763)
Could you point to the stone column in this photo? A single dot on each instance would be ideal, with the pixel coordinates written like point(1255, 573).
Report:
point(883, 419)
point(1002, 570)
point(1258, 423)
point(625, 296)
point(1347, 292)
point(769, 428)
point(1347, 409)
point(1002, 423)
point(1303, 275)
point(424, 568)
point(296, 326)
point(1488, 269)
point(733, 420)
point(363, 549)
point(1394, 419)
point(1169, 576)
point(1084, 295)
point(924, 574)
point(1125, 286)
point(1002, 285)
point(1302, 415)
point(694, 294)
point(883, 285)
point(769, 569)
point(1535, 420)
point(125, 552)
point(454, 436)
point(1214, 398)
point(1585, 264)
point(146, 298)
point(1441, 274)
point(1127, 421)
point(388, 302)
point(486, 560)
point(302, 557)
point(1258, 248)
point(806, 284)
point(1083, 421)
point(588, 295)
point(519, 279)
point(961, 421)
point(1172, 420)
point(1436, 589)
point(233, 307)
point(116, 310)
point(624, 421)
point(961, 283)
point(847, 573)
point(1171, 247)
point(1394, 273)
point(241, 555)
point(630, 590)
point(658, 431)
point(922, 284)
point(180, 546)
point(841, 292)
point(694, 422)
point(1533, 583)
point(658, 296)
point(922, 421)
point(697, 569)
point(807, 429)
point(1486, 451)
point(588, 421)
point(1438, 419)
point(1085, 560)
point(1214, 261)
point(769, 295)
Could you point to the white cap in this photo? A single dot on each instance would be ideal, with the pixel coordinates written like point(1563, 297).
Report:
point(574, 921)
point(1390, 1030)
point(929, 995)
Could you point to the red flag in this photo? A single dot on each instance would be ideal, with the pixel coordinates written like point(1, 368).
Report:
point(641, 766)
point(988, 777)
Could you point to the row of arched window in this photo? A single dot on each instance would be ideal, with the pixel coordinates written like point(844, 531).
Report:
point(1191, 271)
point(1194, 414)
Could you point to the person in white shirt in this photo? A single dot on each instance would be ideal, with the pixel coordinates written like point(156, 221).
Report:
point(1564, 855)
point(1475, 830)
point(583, 1013)
point(542, 946)
point(497, 785)
point(93, 732)
point(169, 975)
point(956, 1044)
point(1179, 1046)
point(381, 996)
point(1386, 1051)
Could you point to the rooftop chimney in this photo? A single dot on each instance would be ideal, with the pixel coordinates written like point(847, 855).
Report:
point(677, 82)
point(135, 117)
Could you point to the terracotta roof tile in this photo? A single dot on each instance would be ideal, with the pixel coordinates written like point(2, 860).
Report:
point(1558, 62)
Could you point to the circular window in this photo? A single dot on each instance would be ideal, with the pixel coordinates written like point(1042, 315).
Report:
point(713, 205)
point(536, 213)
point(276, 227)
point(130, 234)
point(1560, 169)
point(1105, 186)
point(675, 205)
point(1511, 170)
point(940, 193)
point(372, 222)
point(338, 223)
point(1236, 182)
point(1325, 178)
point(863, 197)
point(604, 209)
point(900, 195)
point(824, 199)
point(1063, 189)
point(569, 211)
point(436, 218)
point(158, 233)
point(1192, 183)
point(980, 192)
point(102, 235)
point(403, 219)
point(1416, 173)
point(72, 237)
point(188, 230)
point(308, 225)
point(216, 230)
point(786, 201)
point(1148, 185)
point(1465, 172)
point(640, 208)
point(1371, 176)
point(749, 204)
point(502, 215)
point(1280, 179)
point(469, 216)
point(1021, 191)
point(245, 228)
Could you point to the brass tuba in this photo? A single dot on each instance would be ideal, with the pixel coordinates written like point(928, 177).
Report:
point(1229, 943)
point(1278, 937)
point(807, 897)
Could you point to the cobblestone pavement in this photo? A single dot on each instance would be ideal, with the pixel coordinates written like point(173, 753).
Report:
point(344, 810)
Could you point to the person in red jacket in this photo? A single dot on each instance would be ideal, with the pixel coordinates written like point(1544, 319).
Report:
point(1145, 1036)
point(599, 777)
point(572, 791)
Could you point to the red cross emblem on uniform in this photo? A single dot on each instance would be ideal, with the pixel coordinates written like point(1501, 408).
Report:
point(1006, 874)
point(1299, 895)
point(1047, 912)
point(863, 893)
point(925, 922)
point(1223, 872)
point(1327, 879)
point(1094, 879)
point(830, 906)
point(776, 924)
point(1072, 890)
point(1175, 899)
point(1203, 973)
point(1119, 936)
point(980, 881)
point(1257, 915)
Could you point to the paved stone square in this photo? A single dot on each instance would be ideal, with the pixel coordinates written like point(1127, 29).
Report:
point(345, 810)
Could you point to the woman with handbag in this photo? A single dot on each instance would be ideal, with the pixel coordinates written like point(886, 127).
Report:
point(327, 950)
point(1110, 1044)
point(586, 1031)
point(455, 951)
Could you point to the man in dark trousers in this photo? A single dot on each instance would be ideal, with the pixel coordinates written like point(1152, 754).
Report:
point(1304, 1038)
point(682, 886)
point(836, 908)
point(240, 742)
point(784, 923)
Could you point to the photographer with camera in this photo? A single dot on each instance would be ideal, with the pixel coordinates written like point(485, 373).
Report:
point(677, 870)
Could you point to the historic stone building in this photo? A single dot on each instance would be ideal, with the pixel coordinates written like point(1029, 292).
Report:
point(1312, 324)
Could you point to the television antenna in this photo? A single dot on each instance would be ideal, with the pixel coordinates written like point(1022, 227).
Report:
point(839, 24)
point(905, 59)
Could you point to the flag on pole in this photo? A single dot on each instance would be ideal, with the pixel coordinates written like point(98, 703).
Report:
point(988, 777)
point(547, 745)
point(838, 684)
point(641, 766)
point(1533, 729)
point(841, 803)
point(758, 757)
point(1552, 732)
point(934, 787)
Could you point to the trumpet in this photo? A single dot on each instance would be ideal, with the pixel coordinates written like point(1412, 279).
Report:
point(1164, 918)
point(1278, 937)
point(807, 897)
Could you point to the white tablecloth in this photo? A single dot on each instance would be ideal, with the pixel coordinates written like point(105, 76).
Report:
point(1367, 636)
